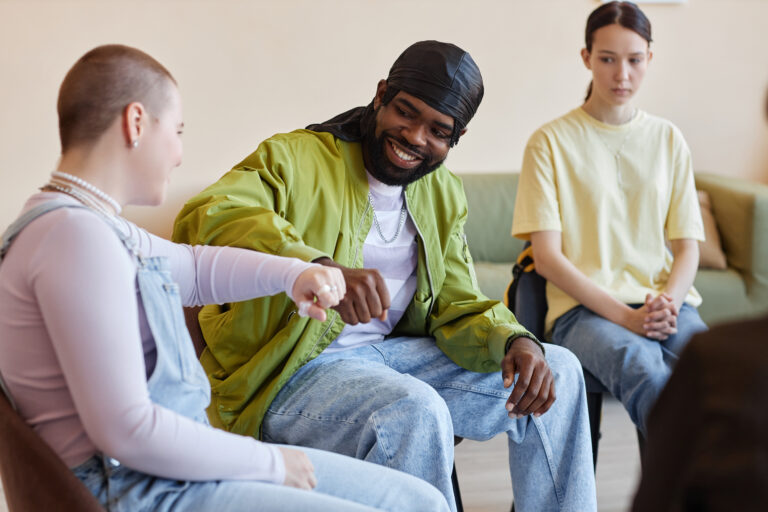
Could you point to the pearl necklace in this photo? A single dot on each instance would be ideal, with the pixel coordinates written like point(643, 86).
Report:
point(83, 192)
point(401, 223)
point(87, 187)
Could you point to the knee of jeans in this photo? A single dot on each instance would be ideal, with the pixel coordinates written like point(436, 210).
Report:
point(427, 497)
point(564, 363)
point(654, 381)
point(420, 403)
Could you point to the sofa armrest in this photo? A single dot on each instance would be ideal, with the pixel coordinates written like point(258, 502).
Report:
point(740, 209)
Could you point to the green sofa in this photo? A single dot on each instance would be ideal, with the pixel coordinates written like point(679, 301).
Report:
point(740, 209)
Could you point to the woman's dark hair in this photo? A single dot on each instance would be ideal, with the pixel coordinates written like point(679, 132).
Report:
point(626, 14)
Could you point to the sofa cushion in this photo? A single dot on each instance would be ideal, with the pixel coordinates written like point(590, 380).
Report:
point(491, 200)
point(711, 253)
point(725, 295)
point(493, 278)
point(740, 207)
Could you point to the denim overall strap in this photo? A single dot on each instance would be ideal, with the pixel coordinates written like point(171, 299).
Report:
point(8, 237)
point(178, 381)
point(20, 223)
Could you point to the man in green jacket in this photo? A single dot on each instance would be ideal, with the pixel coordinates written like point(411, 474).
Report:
point(414, 354)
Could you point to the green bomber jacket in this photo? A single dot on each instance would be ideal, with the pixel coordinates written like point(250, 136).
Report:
point(304, 194)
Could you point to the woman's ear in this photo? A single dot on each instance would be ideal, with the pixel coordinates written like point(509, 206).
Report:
point(134, 117)
point(585, 58)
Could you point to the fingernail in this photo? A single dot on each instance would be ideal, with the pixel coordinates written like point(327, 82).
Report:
point(510, 407)
point(537, 414)
point(507, 382)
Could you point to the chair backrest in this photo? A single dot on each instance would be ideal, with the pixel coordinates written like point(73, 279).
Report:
point(527, 294)
point(527, 298)
point(34, 477)
point(193, 326)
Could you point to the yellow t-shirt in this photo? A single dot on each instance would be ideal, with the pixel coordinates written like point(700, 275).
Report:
point(612, 191)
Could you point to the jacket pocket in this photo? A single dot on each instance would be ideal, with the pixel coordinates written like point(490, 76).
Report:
point(468, 260)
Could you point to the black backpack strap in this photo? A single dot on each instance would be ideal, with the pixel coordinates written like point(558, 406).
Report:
point(526, 294)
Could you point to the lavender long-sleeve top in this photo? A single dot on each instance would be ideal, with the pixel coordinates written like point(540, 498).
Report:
point(76, 349)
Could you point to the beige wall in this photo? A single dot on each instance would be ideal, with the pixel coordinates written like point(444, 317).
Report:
point(248, 69)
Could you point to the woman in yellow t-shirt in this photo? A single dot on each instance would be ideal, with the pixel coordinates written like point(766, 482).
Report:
point(600, 187)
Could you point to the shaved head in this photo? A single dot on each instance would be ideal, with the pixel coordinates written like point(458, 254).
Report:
point(101, 84)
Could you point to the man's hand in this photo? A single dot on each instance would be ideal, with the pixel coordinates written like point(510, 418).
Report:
point(367, 295)
point(534, 391)
point(299, 471)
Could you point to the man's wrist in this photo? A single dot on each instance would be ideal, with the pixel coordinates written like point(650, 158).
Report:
point(326, 261)
point(516, 337)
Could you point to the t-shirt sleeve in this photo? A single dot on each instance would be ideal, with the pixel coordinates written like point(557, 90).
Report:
point(684, 217)
point(536, 204)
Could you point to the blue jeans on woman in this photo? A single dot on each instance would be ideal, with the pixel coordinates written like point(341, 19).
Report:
point(178, 382)
point(344, 485)
point(632, 367)
point(400, 402)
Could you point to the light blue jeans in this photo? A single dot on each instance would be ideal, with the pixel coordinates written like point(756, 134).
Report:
point(179, 383)
point(344, 485)
point(399, 403)
point(633, 368)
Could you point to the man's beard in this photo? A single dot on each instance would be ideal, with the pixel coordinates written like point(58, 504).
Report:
point(385, 171)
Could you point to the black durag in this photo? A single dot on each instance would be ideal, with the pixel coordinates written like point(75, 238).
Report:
point(442, 75)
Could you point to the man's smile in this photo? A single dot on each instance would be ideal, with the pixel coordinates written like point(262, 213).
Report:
point(402, 157)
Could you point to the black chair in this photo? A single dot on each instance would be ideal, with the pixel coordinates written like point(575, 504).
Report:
point(595, 390)
point(526, 297)
point(455, 480)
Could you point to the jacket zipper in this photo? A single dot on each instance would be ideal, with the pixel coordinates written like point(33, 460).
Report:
point(426, 257)
point(335, 314)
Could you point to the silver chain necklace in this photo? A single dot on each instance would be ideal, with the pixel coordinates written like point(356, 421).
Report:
point(616, 152)
point(400, 224)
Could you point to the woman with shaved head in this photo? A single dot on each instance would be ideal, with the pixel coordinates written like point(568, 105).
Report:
point(93, 346)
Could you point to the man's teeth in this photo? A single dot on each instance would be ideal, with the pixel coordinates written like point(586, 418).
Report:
point(404, 156)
